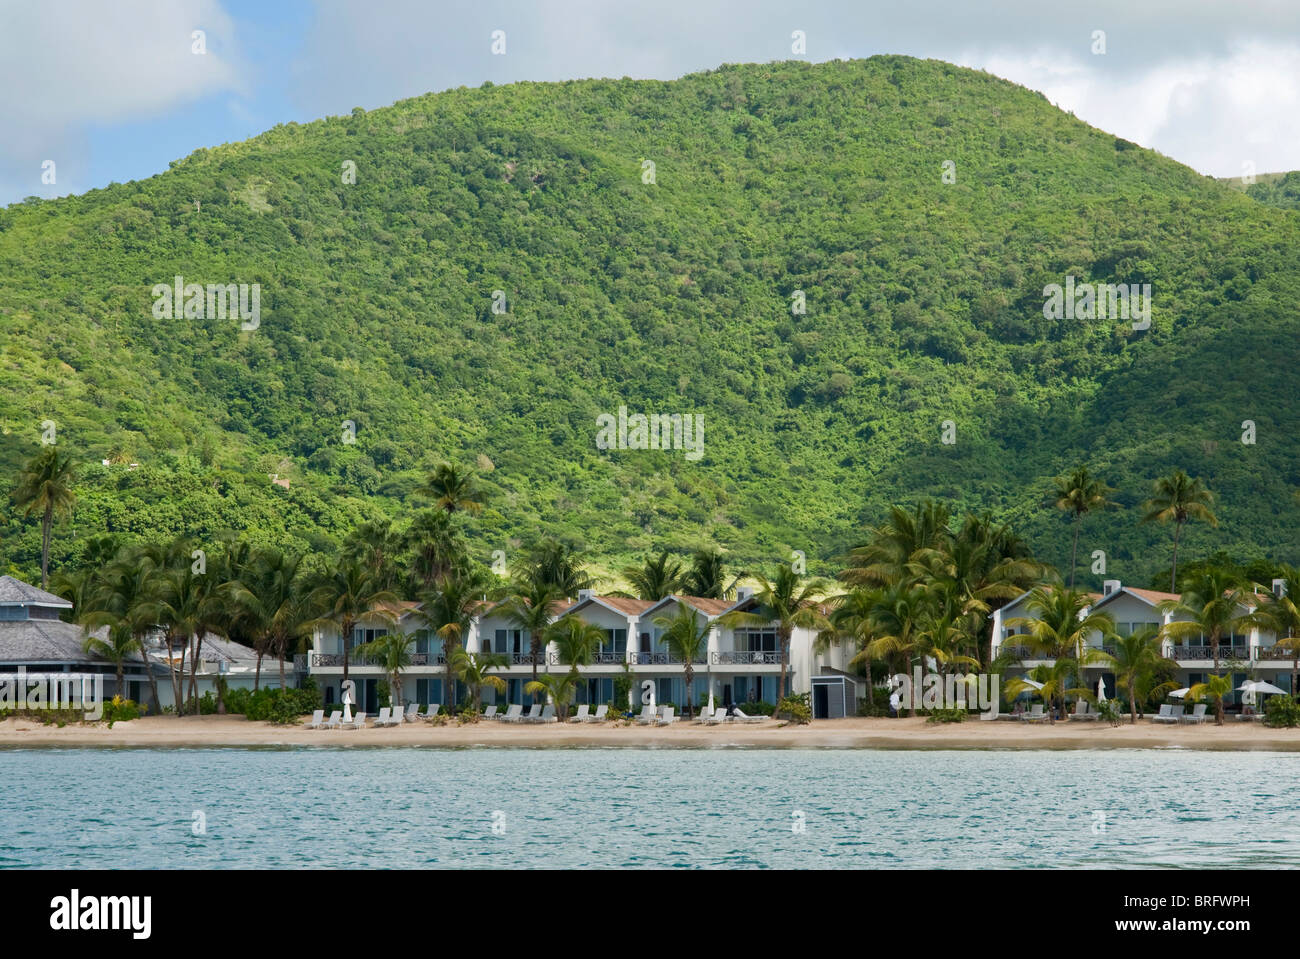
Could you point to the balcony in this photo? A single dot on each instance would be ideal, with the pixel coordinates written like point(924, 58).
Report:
point(746, 657)
point(319, 660)
point(1278, 653)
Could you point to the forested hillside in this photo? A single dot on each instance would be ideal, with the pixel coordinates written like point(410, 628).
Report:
point(924, 304)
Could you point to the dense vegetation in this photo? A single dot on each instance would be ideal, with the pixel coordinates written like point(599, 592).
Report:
point(924, 304)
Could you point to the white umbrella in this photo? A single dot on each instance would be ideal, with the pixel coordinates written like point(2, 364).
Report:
point(1029, 682)
point(1101, 690)
point(1180, 693)
point(1251, 686)
point(652, 698)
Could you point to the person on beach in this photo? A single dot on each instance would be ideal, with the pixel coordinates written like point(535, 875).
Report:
point(895, 700)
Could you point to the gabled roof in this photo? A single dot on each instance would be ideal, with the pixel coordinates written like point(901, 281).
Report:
point(1149, 596)
point(1016, 602)
point(702, 604)
point(14, 592)
point(617, 604)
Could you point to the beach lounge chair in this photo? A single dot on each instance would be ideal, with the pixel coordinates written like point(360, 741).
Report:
point(704, 715)
point(547, 716)
point(382, 718)
point(666, 717)
point(647, 716)
point(739, 717)
point(1081, 711)
point(534, 714)
point(490, 712)
point(333, 722)
point(600, 715)
point(412, 712)
point(1169, 714)
point(317, 719)
point(358, 722)
point(582, 715)
point(513, 715)
point(719, 716)
point(1197, 716)
point(1035, 714)
point(430, 711)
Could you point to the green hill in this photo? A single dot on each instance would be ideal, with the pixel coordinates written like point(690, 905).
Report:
point(924, 304)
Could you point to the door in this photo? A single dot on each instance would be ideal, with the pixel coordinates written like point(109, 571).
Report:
point(821, 701)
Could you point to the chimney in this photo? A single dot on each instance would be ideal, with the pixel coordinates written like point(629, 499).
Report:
point(586, 594)
point(743, 593)
point(1110, 586)
point(1279, 588)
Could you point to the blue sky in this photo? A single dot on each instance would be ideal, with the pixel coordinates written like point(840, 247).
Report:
point(112, 91)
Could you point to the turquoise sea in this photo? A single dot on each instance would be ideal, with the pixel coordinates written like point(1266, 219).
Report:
point(601, 808)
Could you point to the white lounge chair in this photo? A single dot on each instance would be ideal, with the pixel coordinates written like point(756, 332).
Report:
point(582, 715)
point(703, 716)
point(358, 722)
point(412, 712)
point(1169, 714)
point(647, 716)
point(1197, 716)
point(317, 719)
point(382, 718)
point(547, 716)
point(333, 722)
point(490, 712)
point(599, 716)
point(513, 715)
point(740, 717)
point(534, 714)
point(1081, 711)
point(1035, 714)
point(719, 716)
point(666, 717)
point(430, 711)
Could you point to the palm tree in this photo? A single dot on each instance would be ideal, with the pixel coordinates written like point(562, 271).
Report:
point(45, 486)
point(375, 545)
point(1179, 498)
point(576, 642)
point(707, 577)
point(448, 609)
point(1213, 689)
point(435, 548)
point(558, 687)
point(529, 607)
point(183, 605)
point(559, 566)
point(687, 637)
point(472, 670)
point(655, 578)
point(119, 647)
point(348, 592)
point(128, 586)
point(1134, 660)
point(272, 594)
point(1079, 493)
point(392, 652)
point(1214, 603)
point(790, 603)
point(890, 629)
point(452, 489)
point(1060, 631)
point(883, 560)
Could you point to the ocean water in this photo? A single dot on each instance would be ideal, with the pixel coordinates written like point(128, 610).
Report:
point(583, 808)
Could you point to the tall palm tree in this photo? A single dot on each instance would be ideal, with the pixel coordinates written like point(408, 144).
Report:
point(45, 487)
point(274, 596)
point(1079, 493)
point(118, 648)
point(1215, 602)
point(183, 605)
point(789, 602)
point(392, 652)
point(376, 546)
point(1177, 498)
point(1215, 688)
point(346, 593)
point(1135, 659)
point(687, 637)
point(452, 489)
point(128, 586)
point(891, 627)
point(558, 687)
point(448, 609)
point(1059, 631)
point(473, 668)
point(576, 642)
point(656, 577)
point(434, 547)
point(707, 577)
point(529, 607)
point(883, 559)
point(561, 567)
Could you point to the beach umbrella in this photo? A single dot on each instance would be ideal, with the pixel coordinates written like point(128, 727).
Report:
point(652, 698)
point(1261, 688)
point(1029, 682)
point(1101, 690)
point(1180, 693)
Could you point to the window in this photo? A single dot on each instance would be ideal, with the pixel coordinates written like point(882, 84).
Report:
point(756, 640)
point(617, 641)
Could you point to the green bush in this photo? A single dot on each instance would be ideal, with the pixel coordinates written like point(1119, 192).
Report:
point(273, 705)
point(1112, 711)
point(1281, 711)
point(384, 693)
point(752, 708)
point(954, 715)
point(122, 710)
point(796, 708)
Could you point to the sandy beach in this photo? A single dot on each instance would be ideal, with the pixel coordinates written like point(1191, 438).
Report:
point(235, 731)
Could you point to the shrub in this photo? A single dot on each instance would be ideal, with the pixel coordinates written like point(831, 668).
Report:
point(1111, 711)
point(121, 710)
point(752, 708)
point(954, 715)
point(1281, 711)
point(384, 693)
point(796, 708)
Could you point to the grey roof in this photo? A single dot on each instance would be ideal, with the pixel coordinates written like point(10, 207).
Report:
point(14, 592)
point(43, 641)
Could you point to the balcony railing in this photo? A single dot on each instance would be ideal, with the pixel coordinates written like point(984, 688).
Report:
point(746, 657)
point(336, 659)
point(1275, 652)
point(1019, 652)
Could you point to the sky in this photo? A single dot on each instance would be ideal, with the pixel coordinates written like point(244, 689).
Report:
point(100, 91)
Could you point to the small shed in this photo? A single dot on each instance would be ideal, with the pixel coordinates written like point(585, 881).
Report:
point(834, 696)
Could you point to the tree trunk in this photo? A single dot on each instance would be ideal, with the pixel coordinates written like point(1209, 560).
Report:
point(47, 523)
point(347, 646)
point(1074, 551)
point(785, 662)
point(1173, 574)
point(257, 673)
point(449, 683)
point(1132, 701)
point(283, 649)
point(690, 700)
point(156, 706)
point(194, 669)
